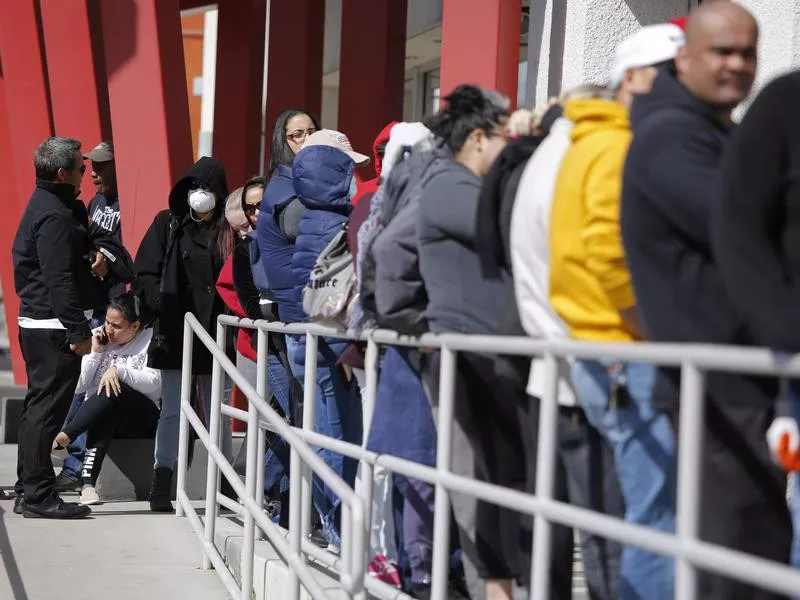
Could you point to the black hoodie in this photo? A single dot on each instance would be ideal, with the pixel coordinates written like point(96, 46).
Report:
point(671, 189)
point(178, 264)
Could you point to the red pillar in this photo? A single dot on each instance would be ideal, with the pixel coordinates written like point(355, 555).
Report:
point(76, 72)
point(24, 123)
point(294, 73)
point(149, 106)
point(239, 87)
point(480, 44)
point(372, 68)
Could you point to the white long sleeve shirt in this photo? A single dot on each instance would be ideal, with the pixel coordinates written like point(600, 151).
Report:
point(131, 363)
point(530, 254)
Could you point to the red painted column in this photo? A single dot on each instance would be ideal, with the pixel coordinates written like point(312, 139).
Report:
point(372, 68)
point(149, 106)
point(25, 122)
point(76, 71)
point(480, 44)
point(239, 87)
point(294, 72)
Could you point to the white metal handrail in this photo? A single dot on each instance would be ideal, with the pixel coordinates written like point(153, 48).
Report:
point(693, 359)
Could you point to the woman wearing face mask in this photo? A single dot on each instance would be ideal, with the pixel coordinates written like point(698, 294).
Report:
point(496, 423)
point(324, 179)
point(120, 391)
point(178, 263)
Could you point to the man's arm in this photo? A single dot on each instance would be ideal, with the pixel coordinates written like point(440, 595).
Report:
point(58, 257)
point(452, 208)
point(601, 231)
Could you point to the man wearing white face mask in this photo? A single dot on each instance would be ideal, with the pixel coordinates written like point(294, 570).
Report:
point(178, 263)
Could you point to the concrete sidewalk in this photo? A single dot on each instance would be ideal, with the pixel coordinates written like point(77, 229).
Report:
point(123, 552)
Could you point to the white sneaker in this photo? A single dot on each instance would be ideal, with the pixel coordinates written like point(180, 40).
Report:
point(89, 495)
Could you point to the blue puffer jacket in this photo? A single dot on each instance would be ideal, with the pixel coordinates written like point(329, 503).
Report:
point(275, 249)
point(322, 177)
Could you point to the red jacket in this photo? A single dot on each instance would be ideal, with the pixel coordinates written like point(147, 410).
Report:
point(244, 340)
point(371, 186)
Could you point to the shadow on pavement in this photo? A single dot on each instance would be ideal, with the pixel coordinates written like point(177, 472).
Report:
point(10, 562)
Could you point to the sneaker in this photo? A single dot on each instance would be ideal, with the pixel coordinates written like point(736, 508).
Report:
point(67, 483)
point(383, 569)
point(19, 504)
point(89, 496)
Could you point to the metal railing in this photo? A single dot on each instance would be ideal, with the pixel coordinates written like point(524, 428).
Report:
point(691, 554)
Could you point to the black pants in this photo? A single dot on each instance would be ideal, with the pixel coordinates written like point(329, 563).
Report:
point(743, 496)
point(53, 371)
point(103, 417)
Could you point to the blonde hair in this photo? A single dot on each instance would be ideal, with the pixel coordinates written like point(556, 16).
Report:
point(588, 91)
point(234, 213)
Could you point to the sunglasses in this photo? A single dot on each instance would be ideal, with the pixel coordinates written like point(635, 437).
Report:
point(298, 135)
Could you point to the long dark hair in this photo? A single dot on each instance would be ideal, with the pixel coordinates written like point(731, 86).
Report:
point(281, 153)
point(468, 108)
point(257, 181)
point(129, 306)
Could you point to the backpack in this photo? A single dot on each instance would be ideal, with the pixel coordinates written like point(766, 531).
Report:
point(331, 285)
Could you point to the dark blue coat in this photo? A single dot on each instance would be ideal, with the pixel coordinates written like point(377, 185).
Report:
point(275, 248)
point(322, 177)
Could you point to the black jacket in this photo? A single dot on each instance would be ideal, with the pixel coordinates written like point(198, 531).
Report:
point(178, 264)
point(671, 188)
point(758, 231)
point(52, 270)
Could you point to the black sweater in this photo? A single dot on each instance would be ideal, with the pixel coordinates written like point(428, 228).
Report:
point(671, 189)
point(758, 231)
point(52, 272)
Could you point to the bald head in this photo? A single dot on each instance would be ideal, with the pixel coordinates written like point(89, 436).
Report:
point(718, 62)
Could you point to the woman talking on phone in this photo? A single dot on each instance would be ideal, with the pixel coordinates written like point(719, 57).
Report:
point(120, 390)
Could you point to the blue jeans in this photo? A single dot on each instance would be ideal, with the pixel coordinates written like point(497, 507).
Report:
point(77, 447)
point(166, 451)
point(338, 415)
point(276, 463)
point(794, 505)
point(644, 449)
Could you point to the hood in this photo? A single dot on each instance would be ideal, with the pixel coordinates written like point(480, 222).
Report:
point(591, 115)
point(208, 171)
point(383, 136)
point(322, 176)
point(669, 93)
point(404, 136)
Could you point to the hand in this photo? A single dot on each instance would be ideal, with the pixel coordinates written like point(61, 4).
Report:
point(520, 123)
point(110, 381)
point(783, 439)
point(82, 348)
point(100, 266)
point(99, 341)
point(540, 112)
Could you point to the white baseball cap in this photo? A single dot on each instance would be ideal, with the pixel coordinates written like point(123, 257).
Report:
point(338, 140)
point(647, 47)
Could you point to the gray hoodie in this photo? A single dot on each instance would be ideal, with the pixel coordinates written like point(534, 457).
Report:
point(460, 299)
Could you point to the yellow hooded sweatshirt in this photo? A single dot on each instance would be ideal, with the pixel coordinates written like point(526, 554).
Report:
point(589, 282)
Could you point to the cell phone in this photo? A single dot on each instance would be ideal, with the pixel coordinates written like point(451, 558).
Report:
point(103, 337)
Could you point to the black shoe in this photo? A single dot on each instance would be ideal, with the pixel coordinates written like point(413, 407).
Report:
point(67, 483)
point(55, 508)
point(421, 591)
point(316, 536)
point(161, 490)
point(19, 504)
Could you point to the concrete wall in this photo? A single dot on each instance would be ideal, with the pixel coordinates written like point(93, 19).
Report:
point(576, 43)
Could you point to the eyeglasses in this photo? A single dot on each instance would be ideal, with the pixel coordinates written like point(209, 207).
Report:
point(298, 135)
point(250, 209)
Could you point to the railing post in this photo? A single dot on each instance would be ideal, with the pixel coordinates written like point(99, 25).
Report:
point(691, 432)
point(262, 389)
point(212, 475)
point(186, 397)
point(444, 446)
point(545, 478)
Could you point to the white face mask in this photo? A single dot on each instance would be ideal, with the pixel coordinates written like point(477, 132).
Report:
point(353, 188)
point(201, 201)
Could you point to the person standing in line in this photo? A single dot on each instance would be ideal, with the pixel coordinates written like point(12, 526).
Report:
point(178, 264)
point(590, 289)
point(672, 185)
point(757, 247)
point(53, 279)
point(104, 216)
